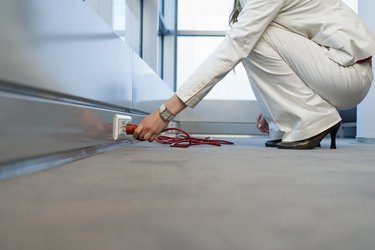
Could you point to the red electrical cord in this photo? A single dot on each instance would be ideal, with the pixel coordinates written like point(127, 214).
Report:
point(181, 140)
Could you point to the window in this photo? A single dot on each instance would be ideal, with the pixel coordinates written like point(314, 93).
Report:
point(204, 15)
point(352, 4)
point(193, 50)
point(119, 20)
point(201, 27)
point(175, 51)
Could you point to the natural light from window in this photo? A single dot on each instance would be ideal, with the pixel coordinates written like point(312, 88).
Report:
point(198, 15)
point(119, 15)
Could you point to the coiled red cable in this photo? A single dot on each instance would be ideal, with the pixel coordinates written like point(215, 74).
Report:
point(181, 139)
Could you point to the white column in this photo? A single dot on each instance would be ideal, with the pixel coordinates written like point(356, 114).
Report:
point(133, 25)
point(366, 110)
point(150, 41)
point(104, 8)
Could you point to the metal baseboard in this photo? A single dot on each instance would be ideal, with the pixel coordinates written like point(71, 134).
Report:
point(38, 128)
point(232, 128)
point(365, 140)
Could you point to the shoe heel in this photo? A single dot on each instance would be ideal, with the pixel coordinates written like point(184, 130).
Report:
point(333, 134)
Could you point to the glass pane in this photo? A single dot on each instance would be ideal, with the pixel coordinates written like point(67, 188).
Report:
point(119, 15)
point(204, 14)
point(191, 53)
point(213, 14)
point(352, 4)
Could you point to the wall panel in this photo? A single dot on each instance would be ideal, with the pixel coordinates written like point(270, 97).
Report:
point(63, 46)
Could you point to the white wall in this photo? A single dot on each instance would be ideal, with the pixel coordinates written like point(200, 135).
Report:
point(366, 110)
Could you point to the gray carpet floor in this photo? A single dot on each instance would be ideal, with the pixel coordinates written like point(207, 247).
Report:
point(152, 197)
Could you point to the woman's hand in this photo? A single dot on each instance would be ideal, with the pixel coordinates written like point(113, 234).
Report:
point(150, 127)
point(262, 124)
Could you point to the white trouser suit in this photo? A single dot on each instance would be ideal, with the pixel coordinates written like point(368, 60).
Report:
point(300, 57)
point(298, 87)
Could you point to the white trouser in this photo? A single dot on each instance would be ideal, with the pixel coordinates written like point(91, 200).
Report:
point(298, 88)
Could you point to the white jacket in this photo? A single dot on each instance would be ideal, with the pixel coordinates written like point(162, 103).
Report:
point(329, 23)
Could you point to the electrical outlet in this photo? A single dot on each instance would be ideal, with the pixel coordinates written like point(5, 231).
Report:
point(119, 124)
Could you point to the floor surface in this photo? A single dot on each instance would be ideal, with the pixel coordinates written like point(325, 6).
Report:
point(152, 197)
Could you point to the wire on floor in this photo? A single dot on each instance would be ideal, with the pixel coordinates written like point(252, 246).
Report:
point(182, 139)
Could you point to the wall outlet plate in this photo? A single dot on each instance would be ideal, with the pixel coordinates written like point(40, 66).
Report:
point(119, 125)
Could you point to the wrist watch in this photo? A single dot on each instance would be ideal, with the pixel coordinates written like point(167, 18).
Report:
point(165, 114)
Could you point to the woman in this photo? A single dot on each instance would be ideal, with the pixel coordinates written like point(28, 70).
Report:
point(304, 58)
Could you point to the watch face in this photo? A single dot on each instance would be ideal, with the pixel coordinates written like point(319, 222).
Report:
point(165, 114)
point(162, 108)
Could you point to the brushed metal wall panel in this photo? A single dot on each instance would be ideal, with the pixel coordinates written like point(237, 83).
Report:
point(149, 91)
point(63, 46)
point(31, 127)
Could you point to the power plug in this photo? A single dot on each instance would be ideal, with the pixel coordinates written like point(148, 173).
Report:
point(119, 125)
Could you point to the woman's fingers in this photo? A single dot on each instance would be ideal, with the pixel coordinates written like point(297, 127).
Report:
point(258, 119)
point(143, 133)
point(137, 132)
point(150, 127)
point(262, 124)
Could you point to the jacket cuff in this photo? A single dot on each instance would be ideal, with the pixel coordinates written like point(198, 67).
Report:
point(189, 100)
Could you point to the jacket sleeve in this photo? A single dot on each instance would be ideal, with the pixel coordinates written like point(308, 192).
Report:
point(253, 20)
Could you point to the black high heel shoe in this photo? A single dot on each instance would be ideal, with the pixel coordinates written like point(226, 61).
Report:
point(272, 143)
point(314, 141)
